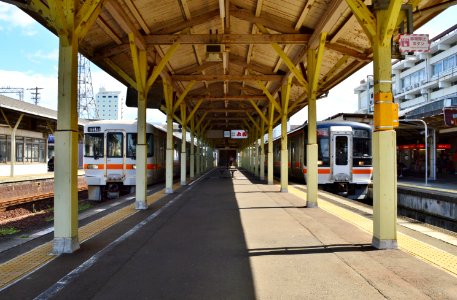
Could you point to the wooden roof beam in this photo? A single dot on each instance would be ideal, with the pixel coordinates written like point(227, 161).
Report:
point(136, 14)
point(124, 22)
point(348, 51)
point(268, 20)
point(227, 39)
point(240, 61)
point(231, 77)
point(230, 98)
point(178, 25)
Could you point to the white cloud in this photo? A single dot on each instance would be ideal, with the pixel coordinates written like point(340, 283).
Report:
point(38, 56)
point(15, 17)
point(48, 93)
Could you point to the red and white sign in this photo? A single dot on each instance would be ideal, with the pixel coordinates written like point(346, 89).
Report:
point(414, 43)
point(238, 134)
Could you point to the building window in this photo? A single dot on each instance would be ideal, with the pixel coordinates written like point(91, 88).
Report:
point(5, 146)
point(437, 68)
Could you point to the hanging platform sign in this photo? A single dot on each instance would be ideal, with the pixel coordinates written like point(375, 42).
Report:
point(238, 134)
point(450, 116)
point(414, 43)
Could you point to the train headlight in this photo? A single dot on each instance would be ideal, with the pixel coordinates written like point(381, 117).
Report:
point(361, 163)
point(134, 167)
point(320, 162)
point(92, 166)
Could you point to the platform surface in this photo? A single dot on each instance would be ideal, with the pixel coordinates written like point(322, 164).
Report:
point(237, 238)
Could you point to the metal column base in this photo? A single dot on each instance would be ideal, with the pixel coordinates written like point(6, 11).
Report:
point(183, 183)
point(284, 190)
point(310, 204)
point(168, 191)
point(141, 205)
point(65, 245)
point(384, 244)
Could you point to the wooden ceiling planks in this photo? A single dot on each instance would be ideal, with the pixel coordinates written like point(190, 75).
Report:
point(347, 48)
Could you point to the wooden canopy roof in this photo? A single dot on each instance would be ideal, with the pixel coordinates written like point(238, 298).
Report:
point(246, 32)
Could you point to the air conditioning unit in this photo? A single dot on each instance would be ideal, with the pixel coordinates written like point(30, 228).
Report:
point(213, 53)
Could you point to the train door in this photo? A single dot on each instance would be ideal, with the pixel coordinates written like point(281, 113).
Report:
point(341, 149)
point(115, 155)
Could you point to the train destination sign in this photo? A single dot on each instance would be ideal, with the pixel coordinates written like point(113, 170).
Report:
point(238, 134)
point(414, 43)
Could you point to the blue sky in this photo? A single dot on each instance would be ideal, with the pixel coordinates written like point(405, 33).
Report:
point(29, 58)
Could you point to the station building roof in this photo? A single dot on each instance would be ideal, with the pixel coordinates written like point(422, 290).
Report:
point(36, 118)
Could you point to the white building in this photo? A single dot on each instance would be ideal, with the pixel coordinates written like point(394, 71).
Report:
point(109, 105)
point(423, 82)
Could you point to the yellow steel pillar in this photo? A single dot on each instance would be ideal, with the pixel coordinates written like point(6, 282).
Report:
point(270, 143)
point(168, 92)
point(183, 145)
point(285, 93)
point(197, 165)
point(379, 27)
point(140, 67)
point(313, 69)
point(192, 148)
point(262, 150)
point(72, 20)
point(66, 158)
point(256, 154)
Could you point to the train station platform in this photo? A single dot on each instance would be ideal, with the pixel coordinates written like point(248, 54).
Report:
point(237, 238)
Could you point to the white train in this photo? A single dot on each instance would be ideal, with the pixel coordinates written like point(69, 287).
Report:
point(344, 156)
point(110, 157)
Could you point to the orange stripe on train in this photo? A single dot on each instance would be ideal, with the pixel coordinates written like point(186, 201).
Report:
point(354, 171)
point(319, 171)
point(120, 166)
point(362, 171)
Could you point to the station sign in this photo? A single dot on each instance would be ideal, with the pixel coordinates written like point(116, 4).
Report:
point(226, 133)
point(413, 43)
point(422, 146)
point(238, 134)
point(450, 116)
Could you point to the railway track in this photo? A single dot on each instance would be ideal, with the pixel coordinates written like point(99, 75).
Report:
point(30, 191)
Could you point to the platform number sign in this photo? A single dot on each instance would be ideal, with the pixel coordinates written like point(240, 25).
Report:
point(413, 43)
point(450, 116)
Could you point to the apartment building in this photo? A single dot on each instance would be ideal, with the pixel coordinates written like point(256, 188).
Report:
point(423, 84)
point(109, 104)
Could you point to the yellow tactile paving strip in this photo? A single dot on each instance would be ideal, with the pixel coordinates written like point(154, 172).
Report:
point(438, 257)
point(19, 266)
point(427, 188)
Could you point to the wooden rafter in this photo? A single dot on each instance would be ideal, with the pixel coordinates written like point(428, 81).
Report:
point(229, 39)
point(222, 77)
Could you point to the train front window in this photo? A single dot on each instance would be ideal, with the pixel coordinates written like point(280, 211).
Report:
point(131, 144)
point(341, 151)
point(93, 143)
point(323, 154)
point(362, 147)
point(114, 144)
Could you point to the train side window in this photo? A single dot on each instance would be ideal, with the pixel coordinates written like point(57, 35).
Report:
point(93, 143)
point(150, 141)
point(114, 144)
point(131, 144)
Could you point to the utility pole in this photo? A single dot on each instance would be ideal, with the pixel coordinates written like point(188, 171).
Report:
point(18, 91)
point(35, 94)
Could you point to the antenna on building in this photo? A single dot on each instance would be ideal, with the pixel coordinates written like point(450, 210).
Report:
point(86, 102)
point(35, 95)
point(18, 91)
